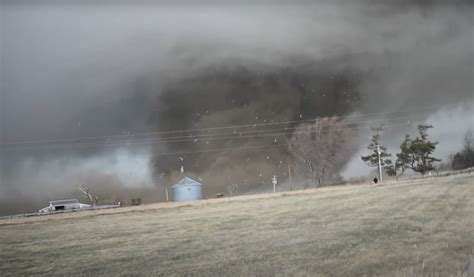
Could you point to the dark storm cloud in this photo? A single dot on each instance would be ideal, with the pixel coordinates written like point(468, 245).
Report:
point(74, 69)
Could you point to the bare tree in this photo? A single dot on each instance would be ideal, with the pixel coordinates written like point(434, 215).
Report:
point(231, 189)
point(465, 158)
point(469, 147)
point(87, 192)
point(321, 148)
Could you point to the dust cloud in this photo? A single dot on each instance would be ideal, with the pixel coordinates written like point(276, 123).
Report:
point(82, 82)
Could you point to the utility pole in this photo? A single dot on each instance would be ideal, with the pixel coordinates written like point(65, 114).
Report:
point(3, 121)
point(380, 163)
point(182, 165)
point(274, 181)
point(289, 175)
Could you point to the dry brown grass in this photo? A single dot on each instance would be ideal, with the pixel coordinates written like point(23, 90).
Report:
point(423, 228)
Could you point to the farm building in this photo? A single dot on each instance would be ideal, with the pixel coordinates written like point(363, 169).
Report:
point(60, 205)
point(187, 190)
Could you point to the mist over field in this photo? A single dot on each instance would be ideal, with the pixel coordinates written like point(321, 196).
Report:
point(81, 82)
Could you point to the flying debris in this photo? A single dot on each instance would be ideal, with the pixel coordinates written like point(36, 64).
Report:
point(193, 88)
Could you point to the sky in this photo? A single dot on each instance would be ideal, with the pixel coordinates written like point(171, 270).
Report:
point(111, 69)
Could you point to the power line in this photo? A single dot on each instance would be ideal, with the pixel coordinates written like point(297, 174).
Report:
point(216, 150)
point(181, 140)
point(194, 136)
point(206, 129)
point(265, 133)
point(188, 137)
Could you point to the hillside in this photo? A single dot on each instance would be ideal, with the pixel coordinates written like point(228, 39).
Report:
point(409, 229)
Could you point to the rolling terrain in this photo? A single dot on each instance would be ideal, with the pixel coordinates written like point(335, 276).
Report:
point(418, 228)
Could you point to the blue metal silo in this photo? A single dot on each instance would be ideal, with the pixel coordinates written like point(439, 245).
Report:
point(187, 190)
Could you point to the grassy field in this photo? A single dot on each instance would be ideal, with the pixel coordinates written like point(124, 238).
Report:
point(423, 228)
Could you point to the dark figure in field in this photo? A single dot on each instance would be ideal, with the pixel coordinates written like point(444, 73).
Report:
point(376, 180)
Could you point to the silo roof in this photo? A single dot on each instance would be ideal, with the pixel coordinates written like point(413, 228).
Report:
point(187, 182)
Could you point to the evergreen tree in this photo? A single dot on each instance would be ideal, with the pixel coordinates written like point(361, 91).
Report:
point(404, 158)
point(373, 158)
point(416, 154)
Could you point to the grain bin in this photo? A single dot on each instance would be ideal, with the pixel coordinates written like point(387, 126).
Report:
point(187, 190)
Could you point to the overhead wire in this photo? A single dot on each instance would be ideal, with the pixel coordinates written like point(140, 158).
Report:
point(211, 129)
point(217, 150)
point(154, 141)
point(265, 133)
point(168, 139)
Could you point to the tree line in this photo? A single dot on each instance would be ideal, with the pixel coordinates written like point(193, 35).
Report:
point(464, 158)
point(321, 148)
point(415, 153)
